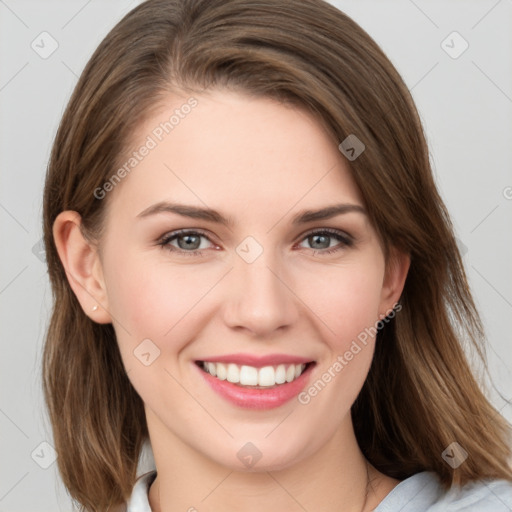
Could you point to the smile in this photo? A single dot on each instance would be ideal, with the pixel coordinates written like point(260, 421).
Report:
point(255, 382)
point(250, 376)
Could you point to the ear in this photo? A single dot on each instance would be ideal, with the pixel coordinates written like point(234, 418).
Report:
point(82, 264)
point(397, 268)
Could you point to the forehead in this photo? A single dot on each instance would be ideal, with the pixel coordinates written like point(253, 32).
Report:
point(236, 152)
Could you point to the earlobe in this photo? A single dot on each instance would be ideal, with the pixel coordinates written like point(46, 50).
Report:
point(81, 262)
point(394, 280)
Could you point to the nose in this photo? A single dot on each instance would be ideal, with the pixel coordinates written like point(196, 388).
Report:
point(259, 297)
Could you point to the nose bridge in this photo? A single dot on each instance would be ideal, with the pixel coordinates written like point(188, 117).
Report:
point(261, 301)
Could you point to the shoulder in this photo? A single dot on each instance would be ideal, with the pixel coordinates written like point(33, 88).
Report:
point(423, 493)
point(139, 500)
point(419, 493)
point(481, 496)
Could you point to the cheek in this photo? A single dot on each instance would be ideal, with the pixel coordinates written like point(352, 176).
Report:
point(345, 298)
point(157, 301)
point(347, 312)
point(346, 302)
point(151, 304)
point(148, 299)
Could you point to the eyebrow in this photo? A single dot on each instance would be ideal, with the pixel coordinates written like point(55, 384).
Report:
point(211, 215)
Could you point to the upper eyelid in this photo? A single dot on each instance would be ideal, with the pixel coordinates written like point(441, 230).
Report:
point(198, 231)
point(183, 232)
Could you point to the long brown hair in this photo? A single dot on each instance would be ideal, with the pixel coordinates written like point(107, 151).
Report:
point(420, 394)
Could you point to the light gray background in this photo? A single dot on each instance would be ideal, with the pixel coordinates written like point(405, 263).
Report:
point(466, 107)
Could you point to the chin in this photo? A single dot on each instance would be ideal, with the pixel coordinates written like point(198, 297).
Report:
point(262, 456)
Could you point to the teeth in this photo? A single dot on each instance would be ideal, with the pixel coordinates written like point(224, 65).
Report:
point(267, 376)
point(248, 376)
point(233, 373)
point(219, 369)
point(280, 374)
point(212, 369)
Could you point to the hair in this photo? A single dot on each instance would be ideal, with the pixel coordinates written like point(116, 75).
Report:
point(420, 394)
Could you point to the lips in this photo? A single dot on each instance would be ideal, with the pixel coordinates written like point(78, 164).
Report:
point(256, 382)
point(258, 361)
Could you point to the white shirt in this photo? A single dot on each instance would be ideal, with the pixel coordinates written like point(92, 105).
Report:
point(421, 492)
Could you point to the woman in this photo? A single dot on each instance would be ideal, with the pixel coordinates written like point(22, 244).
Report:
point(253, 270)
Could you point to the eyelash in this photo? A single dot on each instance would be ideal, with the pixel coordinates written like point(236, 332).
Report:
point(346, 241)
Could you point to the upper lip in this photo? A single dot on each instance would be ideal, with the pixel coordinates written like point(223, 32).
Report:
point(257, 361)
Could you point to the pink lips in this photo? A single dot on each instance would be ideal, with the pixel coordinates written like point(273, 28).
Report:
point(258, 361)
point(254, 398)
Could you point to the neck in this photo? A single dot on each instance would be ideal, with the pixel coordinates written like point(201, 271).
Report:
point(335, 478)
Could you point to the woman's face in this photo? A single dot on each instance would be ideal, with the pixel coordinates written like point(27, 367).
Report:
point(272, 288)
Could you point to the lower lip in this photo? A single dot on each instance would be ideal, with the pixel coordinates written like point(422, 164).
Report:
point(252, 398)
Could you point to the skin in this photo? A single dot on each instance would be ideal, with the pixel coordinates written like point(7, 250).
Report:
point(259, 163)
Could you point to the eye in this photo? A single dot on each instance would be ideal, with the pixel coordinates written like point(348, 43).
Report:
point(188, 242)
point(321, 240)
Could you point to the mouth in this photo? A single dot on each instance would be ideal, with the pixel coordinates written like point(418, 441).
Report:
point(251, 381)
point(252, 377)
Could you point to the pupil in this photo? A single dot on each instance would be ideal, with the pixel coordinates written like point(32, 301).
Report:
point(189, 241)
point(316, 237)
